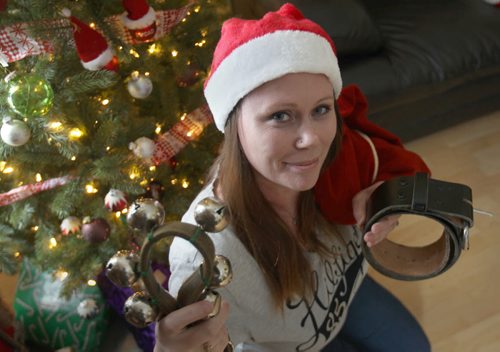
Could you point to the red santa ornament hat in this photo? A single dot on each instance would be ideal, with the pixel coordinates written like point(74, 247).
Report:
point(92, 47)
point(140, 19)
point(253, 52)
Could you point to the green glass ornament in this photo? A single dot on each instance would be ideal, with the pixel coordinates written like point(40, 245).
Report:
point(29, 95)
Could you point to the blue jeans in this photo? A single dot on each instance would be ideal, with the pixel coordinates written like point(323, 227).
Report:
point(377, 321)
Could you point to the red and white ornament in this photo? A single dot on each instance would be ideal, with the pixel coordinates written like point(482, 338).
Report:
point(139, 19)
point(71, 224)
point(92, 47)
point(115, 200)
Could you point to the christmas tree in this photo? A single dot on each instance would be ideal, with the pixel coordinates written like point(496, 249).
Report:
point(101, 105)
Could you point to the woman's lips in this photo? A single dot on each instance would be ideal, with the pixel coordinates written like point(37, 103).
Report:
point(303, 165)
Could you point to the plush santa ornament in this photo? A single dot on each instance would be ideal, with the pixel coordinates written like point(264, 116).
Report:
point(253, 52)
point(139, 19)
point(93, 49)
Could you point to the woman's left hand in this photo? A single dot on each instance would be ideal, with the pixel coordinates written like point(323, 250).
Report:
point(380, 229)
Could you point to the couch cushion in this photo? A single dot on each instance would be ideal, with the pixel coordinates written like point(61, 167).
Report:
point(347, 22)
point(431, 41)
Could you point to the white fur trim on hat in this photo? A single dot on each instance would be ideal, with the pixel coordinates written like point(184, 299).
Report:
point(148, 19)
point(100, 61)
point(263, 59)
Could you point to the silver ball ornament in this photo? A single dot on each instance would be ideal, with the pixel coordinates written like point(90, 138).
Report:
point(139, 86)
point(223, 272)
point(14, 132)
point(139, 310)
point(211, 215)
point(121, 268)
point(144, 214)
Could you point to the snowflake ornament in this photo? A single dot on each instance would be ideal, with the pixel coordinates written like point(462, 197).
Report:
point(87, 308)
point(71, 224)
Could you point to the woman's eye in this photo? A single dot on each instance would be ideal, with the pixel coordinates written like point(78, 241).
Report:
point(322, 109)
point(280, 116)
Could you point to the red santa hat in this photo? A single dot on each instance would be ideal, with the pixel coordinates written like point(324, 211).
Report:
point(253, 52)
point(92, 47)
point(138, 14)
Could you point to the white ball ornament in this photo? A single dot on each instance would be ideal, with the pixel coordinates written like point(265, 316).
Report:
point(14, 132)
point(139, 86)
point(143, 148)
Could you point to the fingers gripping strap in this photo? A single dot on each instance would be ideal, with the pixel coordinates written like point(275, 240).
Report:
point(448, 203)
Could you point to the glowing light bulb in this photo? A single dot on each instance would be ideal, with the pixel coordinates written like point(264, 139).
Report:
point(90, 189)
point(105, 102)
point(174, 53)
point(152, 168)
point(52, 243)
point(73, 158)
point(134, 53)
point(55, 125)
point(38, 177)
point(91, 282)
point(75, 133)
point(8, 170)
point(185, 183)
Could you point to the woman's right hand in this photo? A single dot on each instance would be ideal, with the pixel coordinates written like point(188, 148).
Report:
point(174, 333)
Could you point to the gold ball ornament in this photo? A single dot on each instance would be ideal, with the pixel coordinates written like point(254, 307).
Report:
point(223, 273)
point(211, 215)
point(144, 214)
point(121, 269)
point(140, 310)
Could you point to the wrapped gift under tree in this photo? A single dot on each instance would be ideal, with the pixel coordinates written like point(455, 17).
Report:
point(52, 322)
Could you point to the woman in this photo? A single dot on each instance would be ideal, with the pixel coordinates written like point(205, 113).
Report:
point(273, 90)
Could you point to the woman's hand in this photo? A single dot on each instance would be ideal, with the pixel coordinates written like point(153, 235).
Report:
point(379, 230)
point(175, 333)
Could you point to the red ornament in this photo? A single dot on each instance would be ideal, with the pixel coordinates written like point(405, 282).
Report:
point(96, 230)
point(93, 49)
point(115, 200)
point(139, 19)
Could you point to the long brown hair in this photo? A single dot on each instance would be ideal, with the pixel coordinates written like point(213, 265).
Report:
point(279, 254)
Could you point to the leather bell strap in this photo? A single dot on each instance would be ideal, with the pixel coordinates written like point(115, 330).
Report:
point(194, 286)
point(448, 203)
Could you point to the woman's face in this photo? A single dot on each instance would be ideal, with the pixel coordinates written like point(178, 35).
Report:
point(286, 128)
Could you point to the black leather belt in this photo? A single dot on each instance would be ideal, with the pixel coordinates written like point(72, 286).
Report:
point(448, 203)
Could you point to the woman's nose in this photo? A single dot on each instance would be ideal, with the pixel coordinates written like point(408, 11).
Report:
point(307, 137)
